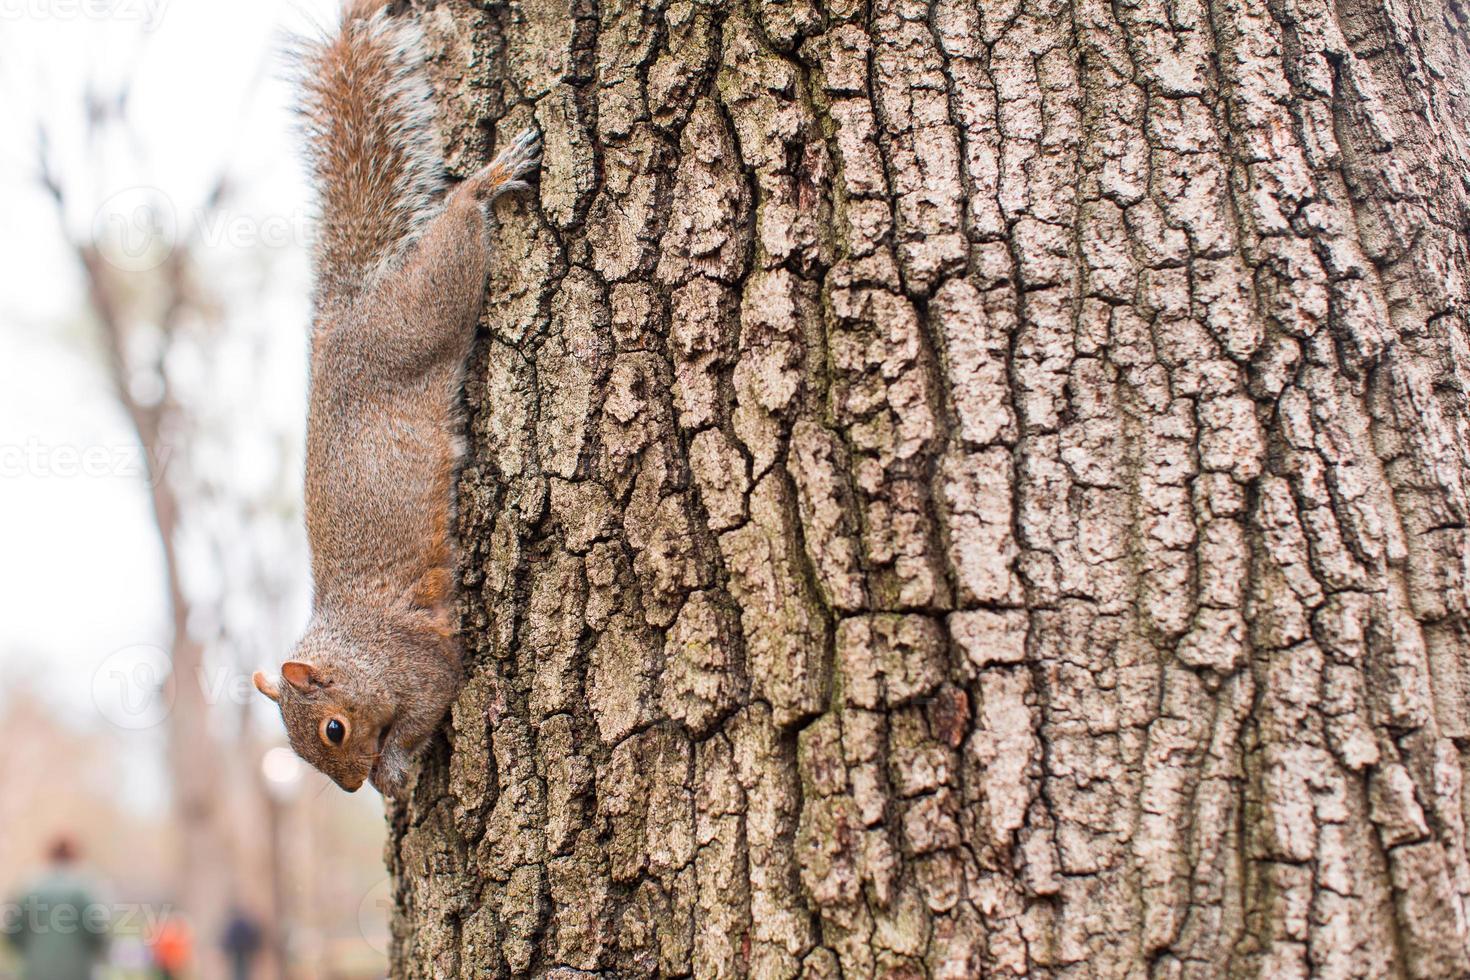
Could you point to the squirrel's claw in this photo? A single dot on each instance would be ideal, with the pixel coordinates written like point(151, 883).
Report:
point(507, 172)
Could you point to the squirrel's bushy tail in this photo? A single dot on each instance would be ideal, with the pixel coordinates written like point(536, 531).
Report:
point(375, 154)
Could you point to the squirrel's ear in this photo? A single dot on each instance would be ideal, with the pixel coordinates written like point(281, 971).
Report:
point(264, 686)
point(298, 674)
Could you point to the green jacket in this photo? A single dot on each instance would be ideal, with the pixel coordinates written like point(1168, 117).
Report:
point(58, 929)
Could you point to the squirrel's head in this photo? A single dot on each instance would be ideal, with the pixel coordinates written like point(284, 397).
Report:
point(336, 721)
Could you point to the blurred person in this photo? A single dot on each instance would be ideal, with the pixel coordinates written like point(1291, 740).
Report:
point(241, 942)
point(170, 945)
point(58, 929)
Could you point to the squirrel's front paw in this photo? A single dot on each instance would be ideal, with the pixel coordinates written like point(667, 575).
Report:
point(510, 168)
point(390, 774)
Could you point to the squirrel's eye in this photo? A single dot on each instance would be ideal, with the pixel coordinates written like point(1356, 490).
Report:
point(335, 730)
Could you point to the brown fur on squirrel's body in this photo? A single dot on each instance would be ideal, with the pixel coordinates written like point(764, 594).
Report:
point(400, 270)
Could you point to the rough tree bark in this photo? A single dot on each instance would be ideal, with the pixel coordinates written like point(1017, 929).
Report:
point(960, 489)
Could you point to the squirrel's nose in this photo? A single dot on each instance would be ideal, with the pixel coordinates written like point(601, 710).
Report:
point(354, 787)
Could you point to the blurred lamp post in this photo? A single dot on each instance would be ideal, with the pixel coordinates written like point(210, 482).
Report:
point(282, 772)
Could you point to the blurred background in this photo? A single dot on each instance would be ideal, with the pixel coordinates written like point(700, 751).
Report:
point(153, 329)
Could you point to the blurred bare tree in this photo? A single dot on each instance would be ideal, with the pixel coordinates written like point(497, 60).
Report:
point(148, 299)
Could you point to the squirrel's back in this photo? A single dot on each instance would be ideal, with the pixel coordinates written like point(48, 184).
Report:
point(374, 147)
point(401, 272)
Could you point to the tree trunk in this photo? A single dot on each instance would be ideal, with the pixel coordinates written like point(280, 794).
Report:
point(207, 869)
point(962, 489)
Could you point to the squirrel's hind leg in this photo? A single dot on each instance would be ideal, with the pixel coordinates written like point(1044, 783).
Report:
point(424, 311)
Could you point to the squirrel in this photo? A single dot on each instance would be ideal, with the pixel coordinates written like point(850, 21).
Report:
point(401, 262)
